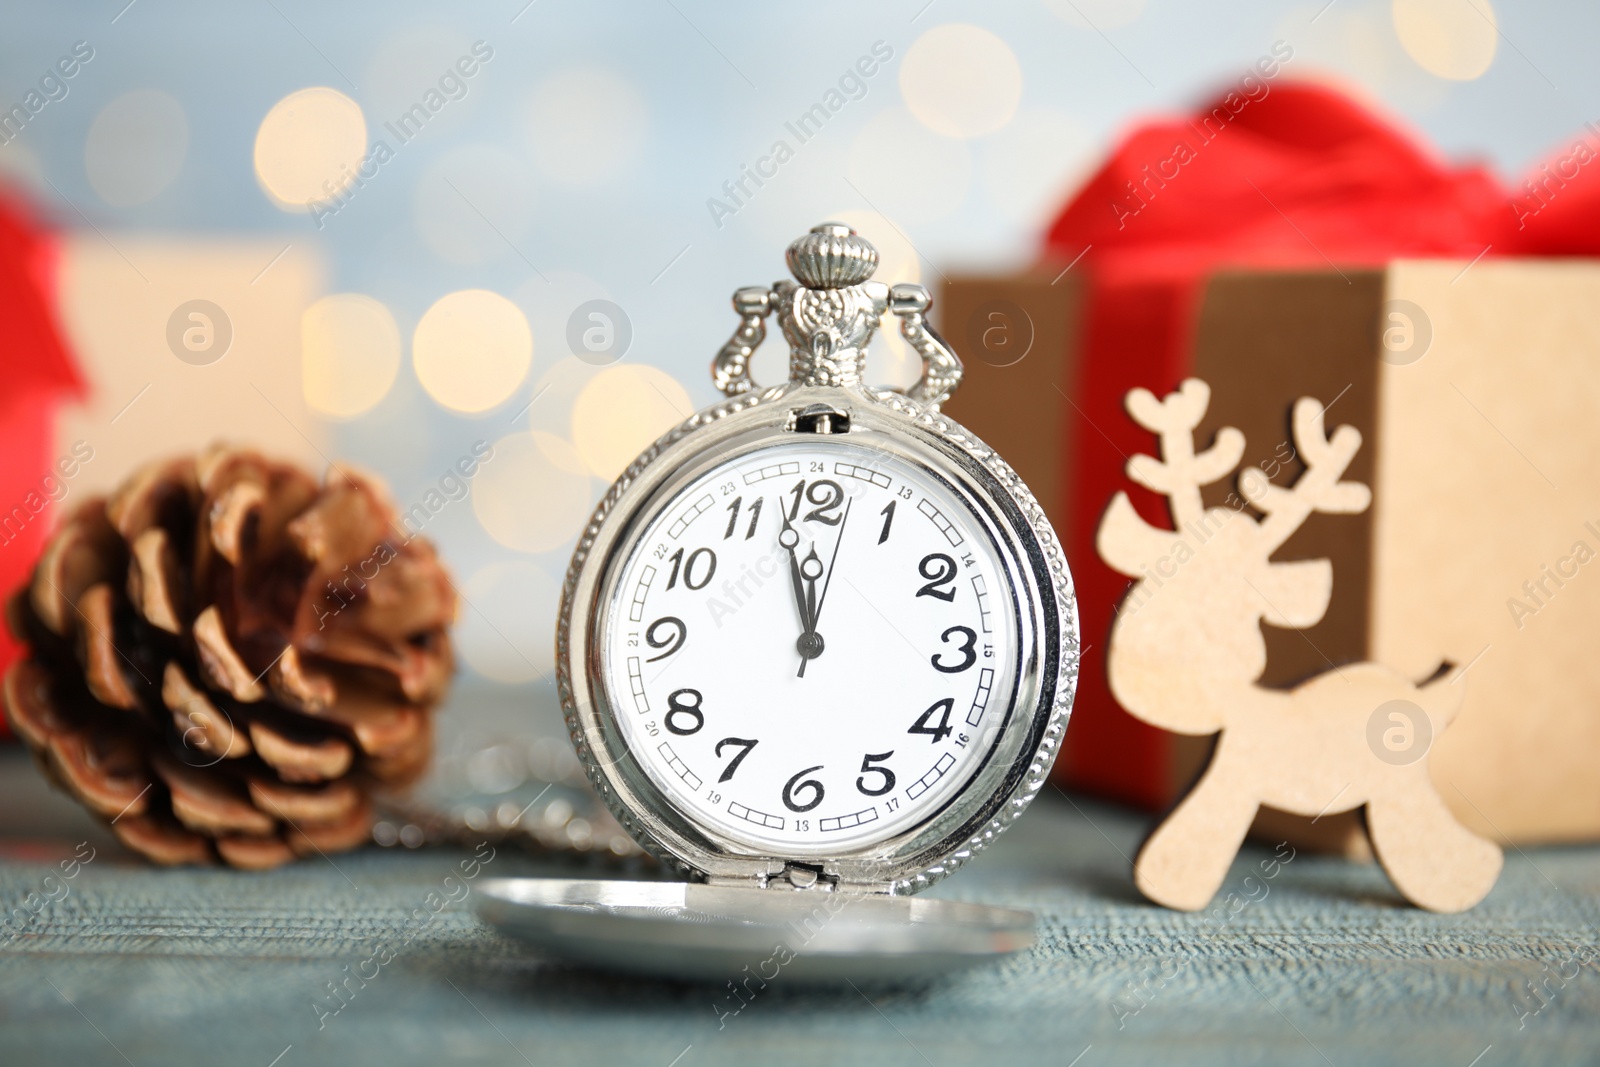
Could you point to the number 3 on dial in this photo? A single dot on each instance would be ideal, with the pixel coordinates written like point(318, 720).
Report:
point(968, 650)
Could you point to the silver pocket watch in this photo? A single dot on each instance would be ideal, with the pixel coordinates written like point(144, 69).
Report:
point(817, 649)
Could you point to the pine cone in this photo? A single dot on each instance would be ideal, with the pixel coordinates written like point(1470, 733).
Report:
point(227, 660)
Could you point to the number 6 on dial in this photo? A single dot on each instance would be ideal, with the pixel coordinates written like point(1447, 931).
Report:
point(794, 785)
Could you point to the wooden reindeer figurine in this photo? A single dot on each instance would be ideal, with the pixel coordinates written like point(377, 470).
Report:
point(1187, 651)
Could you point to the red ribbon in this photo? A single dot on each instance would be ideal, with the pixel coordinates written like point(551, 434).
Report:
point(37, 371)
point(1296, 177)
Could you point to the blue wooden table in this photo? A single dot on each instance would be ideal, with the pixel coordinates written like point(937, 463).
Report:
point(1315, 961)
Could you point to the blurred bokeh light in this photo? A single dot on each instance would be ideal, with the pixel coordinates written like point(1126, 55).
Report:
point(534, 494)
point(499, 637)
point(136, 147)
point(1454, 40)
point(961, 81)
point(309, 146)
point(349, 354)
point(620, 411)
point(472, 349)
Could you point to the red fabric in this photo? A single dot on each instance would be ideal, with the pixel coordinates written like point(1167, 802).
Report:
point(27, 436)
point(1298, 178)
point(33, 356)
point(36, 371)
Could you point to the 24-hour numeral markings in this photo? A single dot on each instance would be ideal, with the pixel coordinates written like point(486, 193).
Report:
point(809, 492)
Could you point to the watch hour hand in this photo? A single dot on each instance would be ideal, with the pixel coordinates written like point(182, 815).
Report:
point(811, 570)
point(789, 539)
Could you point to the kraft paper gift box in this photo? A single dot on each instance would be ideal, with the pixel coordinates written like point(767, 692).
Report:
point(1309, 249)
point(1475, 389)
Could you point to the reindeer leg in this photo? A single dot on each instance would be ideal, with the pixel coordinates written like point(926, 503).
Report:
point(1433, 860)
point(1184, 862)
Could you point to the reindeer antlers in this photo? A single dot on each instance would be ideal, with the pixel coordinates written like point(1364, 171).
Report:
point(1180, 472)
point(1318, 488)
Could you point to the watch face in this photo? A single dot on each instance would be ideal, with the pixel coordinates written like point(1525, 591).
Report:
point(812, 647)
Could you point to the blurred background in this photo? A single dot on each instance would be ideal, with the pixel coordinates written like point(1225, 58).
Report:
point(392, 234)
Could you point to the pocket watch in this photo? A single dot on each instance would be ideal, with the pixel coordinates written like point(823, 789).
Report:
point(817, 650)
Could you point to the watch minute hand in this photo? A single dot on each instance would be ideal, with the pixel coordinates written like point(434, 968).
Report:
point(811, 570)
point(845, 521)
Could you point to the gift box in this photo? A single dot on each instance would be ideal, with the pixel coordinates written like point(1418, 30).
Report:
point(1291, 245)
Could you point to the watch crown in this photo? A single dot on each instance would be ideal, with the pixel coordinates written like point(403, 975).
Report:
point(832, 256)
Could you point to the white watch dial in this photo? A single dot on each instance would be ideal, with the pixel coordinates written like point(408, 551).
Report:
point(812, 647)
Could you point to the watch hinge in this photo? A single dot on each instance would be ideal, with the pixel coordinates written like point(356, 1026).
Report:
point(820, 418)
point(792, 876)
point(803, 876)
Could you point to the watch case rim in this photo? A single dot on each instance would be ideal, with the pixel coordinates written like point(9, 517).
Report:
point(1048, 647)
